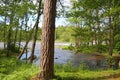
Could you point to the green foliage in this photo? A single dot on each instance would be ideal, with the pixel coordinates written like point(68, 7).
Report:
point(63, 34)
point(70, 68)
point(90, 19)
point(14, 48)
point(117, 40)
point(81, 74)
point(13, 19)
point(70, 47)
point(103, 48)
point(118, 47)
point(12, 69)
point(2, 53)
point(86, 49)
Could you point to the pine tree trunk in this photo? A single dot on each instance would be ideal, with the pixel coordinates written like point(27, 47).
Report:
point(47, 42)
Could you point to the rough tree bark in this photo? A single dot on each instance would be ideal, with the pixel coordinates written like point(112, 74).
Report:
point(47, 42)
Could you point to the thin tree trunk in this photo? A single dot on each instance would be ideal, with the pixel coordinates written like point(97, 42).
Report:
point(47, 42)
point(76, 43)
point(8, 42)
point(111, 38)
point(95, 37)
point(26, 55)
point(99, 32)
point(15, 36)
point(106, 42)
point(20, 35)
point(9, 35)
point(26, 44)
point(110, 34)
point(35, 34)
point(90, 30)
point(4, 34)
point(27, 38)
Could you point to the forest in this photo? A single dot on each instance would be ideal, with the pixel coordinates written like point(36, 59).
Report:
point(85, 47)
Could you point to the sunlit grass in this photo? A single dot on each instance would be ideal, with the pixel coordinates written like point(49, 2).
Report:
point(80, 74)
point(87, 75)
point(11, 69)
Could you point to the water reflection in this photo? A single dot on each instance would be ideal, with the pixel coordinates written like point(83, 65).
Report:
point(93, 61)
point(60, 57)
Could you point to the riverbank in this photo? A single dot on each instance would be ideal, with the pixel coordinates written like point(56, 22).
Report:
point(12, 69)
point(68, 73)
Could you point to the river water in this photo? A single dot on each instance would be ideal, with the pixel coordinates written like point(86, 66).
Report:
point(60, 56)
point(92, 61)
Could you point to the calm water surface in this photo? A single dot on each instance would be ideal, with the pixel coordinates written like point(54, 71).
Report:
point(66, 56)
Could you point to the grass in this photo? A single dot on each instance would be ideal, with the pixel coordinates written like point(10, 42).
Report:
point(87, 75)
point(11, 69)
point(80, 74)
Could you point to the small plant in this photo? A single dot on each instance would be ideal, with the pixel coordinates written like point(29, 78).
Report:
point(14, 48)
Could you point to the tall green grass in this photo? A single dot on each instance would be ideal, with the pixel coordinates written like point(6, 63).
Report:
point(67, 72)
point(11, 69)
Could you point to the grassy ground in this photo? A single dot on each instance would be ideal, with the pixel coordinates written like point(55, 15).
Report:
point(89, 75)
point(69, 73)
point(12, 69)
